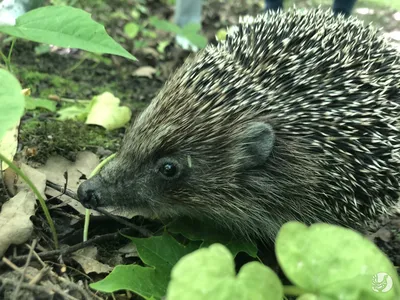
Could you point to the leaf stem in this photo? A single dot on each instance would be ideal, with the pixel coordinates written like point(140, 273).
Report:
point(292, 290)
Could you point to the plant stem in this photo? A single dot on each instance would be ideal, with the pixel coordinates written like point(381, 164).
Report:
point(86, 225)
point(87, 212)
point(73, 100)
point(5, 59)
point(10, 52)
point(37, 194)
point(292, 290)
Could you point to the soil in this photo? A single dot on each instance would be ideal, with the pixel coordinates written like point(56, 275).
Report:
point(71, 74)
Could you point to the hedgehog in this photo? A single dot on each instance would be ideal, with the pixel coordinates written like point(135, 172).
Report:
point(294, 116)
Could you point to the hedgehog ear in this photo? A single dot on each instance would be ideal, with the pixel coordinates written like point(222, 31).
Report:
point(258, 142)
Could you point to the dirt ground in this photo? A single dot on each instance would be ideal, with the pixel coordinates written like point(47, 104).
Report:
point(67, 75)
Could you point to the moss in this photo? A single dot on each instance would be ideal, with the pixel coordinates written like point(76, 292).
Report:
point(43, 84)
point(65, 138)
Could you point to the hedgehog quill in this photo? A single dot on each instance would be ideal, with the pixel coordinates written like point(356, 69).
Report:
point(295, 116)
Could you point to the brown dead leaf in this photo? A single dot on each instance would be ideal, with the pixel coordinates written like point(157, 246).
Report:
point(129, 250)
point(15, 224)
point(149, 51)
point(55, 168)
point(86, 257)
point(145, 72)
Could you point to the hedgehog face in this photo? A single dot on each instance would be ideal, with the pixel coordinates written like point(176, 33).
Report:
point(193, 179)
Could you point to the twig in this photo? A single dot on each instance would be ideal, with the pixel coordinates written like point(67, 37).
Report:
point(34, 288)
point(144, 232)
point(69, 283)
point(34, 280)
point(37, 257)
point(28, 260)
point(62, 190)
point(54, 253)
point(57, 187)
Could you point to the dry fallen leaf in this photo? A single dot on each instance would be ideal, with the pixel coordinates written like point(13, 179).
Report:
point(15, 224)
point(86, 257)
point(55, 168)
point(129, 250)
point(145, 72)
point(150, 51)
point(9, 144)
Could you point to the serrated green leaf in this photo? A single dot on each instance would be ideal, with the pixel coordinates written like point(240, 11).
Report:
point(11, 101)
point(205, 231)
point(330, 260)
point(146, 282)
point(160, 253)
point(33, 103)
point(66, 27)
point(209, 273)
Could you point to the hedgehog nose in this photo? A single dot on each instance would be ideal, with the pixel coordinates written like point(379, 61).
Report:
point(87, 195)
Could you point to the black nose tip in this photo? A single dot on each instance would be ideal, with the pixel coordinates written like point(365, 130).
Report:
point(87, 195)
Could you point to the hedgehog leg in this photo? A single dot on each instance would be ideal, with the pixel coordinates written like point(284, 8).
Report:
point(273, 5)
point(343, 7)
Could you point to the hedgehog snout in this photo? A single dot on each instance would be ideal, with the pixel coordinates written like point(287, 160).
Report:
point(87, 195)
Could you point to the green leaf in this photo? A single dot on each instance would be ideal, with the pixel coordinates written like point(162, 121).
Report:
point(33, 103)
point(135, 14)
point(329, 260)
point(11, 101)
point(209, 273)
point(205, 231)
point(106, 112)
point(259, 282)
point(66, 27)
point(131, 29)
point(42, 49)
point(161, 46)
point(221, 35)
point(149, 33)
point(165, 25)
point(191, 32)
point(196, 39)
point(74, 112)
point(191, 28)
point(160, 253)
point(144, 281)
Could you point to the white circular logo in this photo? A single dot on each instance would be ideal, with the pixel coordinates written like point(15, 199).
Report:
point(382, 283)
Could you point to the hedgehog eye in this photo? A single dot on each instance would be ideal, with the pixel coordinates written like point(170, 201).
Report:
point(168, 168)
